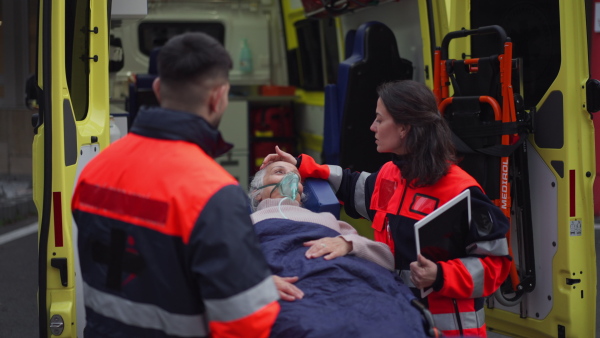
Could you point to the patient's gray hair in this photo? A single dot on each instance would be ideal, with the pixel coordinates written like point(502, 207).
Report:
point(254, 191)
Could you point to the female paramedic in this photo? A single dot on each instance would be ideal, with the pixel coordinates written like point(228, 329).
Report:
point(422, 176)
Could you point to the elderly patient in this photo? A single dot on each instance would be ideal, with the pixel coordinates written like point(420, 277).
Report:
point(268, 202)
point(267, 191)
point(343, 285)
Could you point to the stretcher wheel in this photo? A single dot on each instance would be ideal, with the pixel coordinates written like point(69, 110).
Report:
point(506, 296)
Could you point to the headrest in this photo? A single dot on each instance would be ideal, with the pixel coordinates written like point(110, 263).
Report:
point(376, 40)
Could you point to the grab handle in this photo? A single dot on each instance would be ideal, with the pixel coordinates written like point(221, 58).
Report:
point(494, 29)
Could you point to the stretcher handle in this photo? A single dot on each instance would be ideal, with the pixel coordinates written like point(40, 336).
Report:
point(494, 29)
point(483, 99)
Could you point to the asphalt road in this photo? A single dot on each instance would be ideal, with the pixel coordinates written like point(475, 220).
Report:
point(18, 284)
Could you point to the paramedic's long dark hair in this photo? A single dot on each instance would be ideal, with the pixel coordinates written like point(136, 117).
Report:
point(428, 144)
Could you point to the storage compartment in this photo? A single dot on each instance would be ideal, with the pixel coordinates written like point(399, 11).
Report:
point(234, 128)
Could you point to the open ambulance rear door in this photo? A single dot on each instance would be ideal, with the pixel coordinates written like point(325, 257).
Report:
point(552, 292)
point(71, 128)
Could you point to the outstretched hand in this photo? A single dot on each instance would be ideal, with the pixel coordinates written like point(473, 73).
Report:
point(287, 290)
point(279, 155)
point(330, 247)
point(423, 272)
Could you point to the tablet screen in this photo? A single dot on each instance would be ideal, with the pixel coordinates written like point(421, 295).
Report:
point(440, 236)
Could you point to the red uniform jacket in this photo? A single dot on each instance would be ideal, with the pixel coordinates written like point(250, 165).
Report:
point(166, 244)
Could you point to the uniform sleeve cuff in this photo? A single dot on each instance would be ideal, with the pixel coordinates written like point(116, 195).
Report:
point(439, 278)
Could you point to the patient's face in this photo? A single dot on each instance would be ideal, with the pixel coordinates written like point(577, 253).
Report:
point(275, 173)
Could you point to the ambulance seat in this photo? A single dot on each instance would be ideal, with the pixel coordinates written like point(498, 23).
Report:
point(350, 103)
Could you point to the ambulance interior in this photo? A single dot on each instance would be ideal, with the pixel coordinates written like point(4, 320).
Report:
point(310, 89)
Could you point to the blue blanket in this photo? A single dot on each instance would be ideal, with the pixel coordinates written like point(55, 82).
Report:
point(344, 297)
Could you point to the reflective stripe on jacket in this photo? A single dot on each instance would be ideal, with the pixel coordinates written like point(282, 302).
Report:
point(166, 244)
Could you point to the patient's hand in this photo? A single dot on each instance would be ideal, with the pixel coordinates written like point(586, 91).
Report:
point(287, 290)
point(279, 155)
point(331, 247)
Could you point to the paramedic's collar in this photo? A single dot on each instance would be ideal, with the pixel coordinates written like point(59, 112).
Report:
point(169, 124)
point(399, 159)
point(274, 202)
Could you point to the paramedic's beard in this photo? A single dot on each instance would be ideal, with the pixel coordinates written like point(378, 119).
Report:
point(215, 118)
point(216, 122)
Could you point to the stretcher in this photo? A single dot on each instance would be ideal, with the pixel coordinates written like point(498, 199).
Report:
point(476, 96)
point(346, 296)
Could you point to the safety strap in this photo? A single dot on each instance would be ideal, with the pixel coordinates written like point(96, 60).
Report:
point(450, 71)
point(499, 150)
point(452, 64)
point(494, 129)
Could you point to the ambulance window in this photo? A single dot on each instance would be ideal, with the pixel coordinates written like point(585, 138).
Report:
point(152, 34)
point(77, 58)
point(317, 56)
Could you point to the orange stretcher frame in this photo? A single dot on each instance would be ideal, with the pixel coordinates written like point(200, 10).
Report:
point(504, 112)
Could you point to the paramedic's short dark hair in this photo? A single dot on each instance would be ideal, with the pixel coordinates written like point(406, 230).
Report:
point(190, 57)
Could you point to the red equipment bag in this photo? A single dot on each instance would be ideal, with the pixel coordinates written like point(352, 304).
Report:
point(272, 122)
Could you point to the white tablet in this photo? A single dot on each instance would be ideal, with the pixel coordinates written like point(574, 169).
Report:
point(440, 235)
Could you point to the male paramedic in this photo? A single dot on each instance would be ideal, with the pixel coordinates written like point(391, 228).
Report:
point(166, 244)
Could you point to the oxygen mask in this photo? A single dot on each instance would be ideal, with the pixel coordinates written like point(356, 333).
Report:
point(288, 188)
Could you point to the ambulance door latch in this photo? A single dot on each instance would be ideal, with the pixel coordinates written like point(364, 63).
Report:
point(61, 265)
